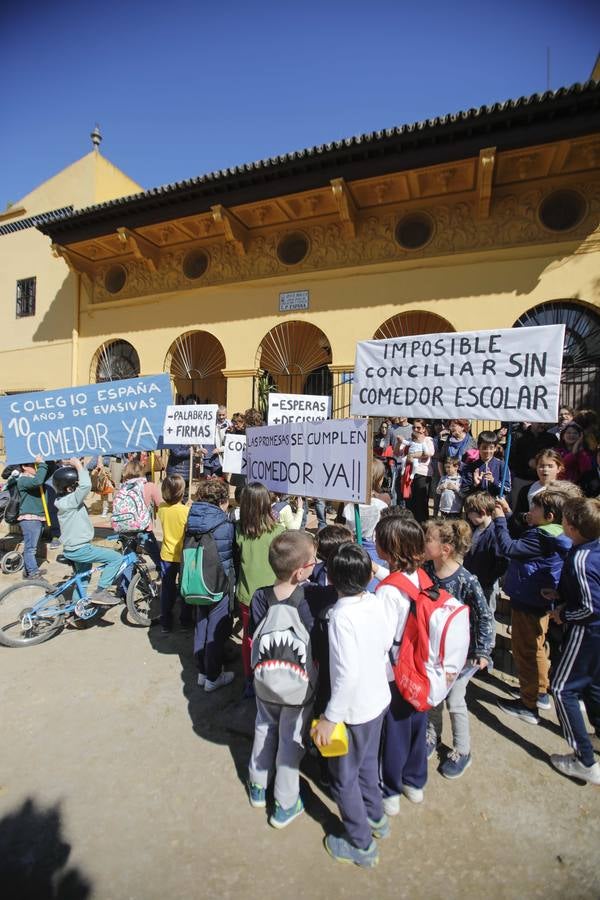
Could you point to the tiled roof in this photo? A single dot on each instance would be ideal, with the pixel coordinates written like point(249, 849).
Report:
point(34, 221)
point(485, 120)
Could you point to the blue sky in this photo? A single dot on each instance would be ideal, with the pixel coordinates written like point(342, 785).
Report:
point(181, 88)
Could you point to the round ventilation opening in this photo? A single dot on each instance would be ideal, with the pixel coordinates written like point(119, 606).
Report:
point(115, 279)
point(414, 231)
point(562, 210)
point(292, 248)
point(195, 264)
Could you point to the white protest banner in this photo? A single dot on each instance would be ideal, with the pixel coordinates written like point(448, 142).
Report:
point(108, 417)
point(327, 459)
point(193, 424)
point(510, 374)
point(234, 454)
point(297, 408)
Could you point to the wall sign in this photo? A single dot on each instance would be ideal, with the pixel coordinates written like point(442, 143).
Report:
point(293, 300)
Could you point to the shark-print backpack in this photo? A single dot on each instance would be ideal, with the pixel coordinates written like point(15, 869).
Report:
point(284, 672)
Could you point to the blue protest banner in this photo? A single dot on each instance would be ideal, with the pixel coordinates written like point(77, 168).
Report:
point(108, 418)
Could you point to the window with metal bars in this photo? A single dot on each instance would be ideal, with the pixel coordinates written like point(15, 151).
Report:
point(25, 297)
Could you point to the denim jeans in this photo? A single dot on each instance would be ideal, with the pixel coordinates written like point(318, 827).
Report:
point(213, 627)
point(320, 510)
point(31, 530)
point(88, 554)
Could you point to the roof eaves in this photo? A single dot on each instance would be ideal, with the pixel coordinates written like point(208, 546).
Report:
point(273, 164)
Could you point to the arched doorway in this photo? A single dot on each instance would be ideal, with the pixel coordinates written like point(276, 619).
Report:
point(414, 322)
point(195, 362)
point(113, 361)
point(580, 380)
point(294, 358)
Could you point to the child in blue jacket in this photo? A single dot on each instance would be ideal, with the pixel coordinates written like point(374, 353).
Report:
point(213, 622)
point(577, 676)
point(535, 564)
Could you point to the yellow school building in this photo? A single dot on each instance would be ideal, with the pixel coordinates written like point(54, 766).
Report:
point(267, 275)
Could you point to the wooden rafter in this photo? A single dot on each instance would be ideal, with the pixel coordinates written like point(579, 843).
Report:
point(76, 263)
point(345, 205)
point(142, 249)
point(235, 232)
point(485, 176)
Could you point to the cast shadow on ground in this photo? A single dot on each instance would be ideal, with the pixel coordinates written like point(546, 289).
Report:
point(224, 718)
point(477, 696)
point(34, 857)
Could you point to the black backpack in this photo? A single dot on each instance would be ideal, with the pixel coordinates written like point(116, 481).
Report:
point(11, 510)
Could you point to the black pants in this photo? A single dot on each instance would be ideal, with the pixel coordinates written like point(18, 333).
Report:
point(418, 502)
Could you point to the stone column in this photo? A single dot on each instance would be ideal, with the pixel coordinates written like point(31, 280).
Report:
point(239, 389)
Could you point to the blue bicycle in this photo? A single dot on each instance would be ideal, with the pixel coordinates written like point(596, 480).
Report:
point(34, 611)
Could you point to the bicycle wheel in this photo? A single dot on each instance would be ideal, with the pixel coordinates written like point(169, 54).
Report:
point(20, 626)
point(142, 598)
point(11, 562)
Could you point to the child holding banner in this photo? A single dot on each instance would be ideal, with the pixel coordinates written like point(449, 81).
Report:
point(29, 484)
point(72, 484)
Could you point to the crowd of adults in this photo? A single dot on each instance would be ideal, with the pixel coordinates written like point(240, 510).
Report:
point(576, 437)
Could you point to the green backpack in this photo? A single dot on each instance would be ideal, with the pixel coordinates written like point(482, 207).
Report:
point(203, 580)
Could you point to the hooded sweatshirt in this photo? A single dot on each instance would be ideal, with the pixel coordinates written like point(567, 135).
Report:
point(535, 562)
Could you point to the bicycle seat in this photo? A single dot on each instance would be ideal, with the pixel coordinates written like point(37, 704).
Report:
point(66, 562)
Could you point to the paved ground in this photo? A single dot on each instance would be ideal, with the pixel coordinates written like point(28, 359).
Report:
point(122, 780)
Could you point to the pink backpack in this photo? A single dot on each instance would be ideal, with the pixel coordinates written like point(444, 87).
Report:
point(129, 512)
point(435, 642)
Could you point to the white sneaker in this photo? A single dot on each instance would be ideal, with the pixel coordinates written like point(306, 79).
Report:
point(219, 682)
point(391, 805)
point(415, 795)
point(572, 766)
point(201, 679)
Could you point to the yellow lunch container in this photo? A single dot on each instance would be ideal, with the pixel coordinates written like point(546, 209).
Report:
point(338, 744)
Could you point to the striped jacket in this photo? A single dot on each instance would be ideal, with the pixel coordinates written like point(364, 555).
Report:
point(579, 585)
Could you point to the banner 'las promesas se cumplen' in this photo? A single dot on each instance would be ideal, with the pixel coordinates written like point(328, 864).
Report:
point(327, 459)
point(107, 418)
point(509, 374)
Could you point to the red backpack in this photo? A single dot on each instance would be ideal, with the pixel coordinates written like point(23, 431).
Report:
point(435, 642)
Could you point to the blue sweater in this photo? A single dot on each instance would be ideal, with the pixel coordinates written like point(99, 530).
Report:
point(535, 562)
point(205, 517)
point(579, 585)
point(483, 559)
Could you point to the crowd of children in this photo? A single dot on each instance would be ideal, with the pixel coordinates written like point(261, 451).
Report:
point(326, 626)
